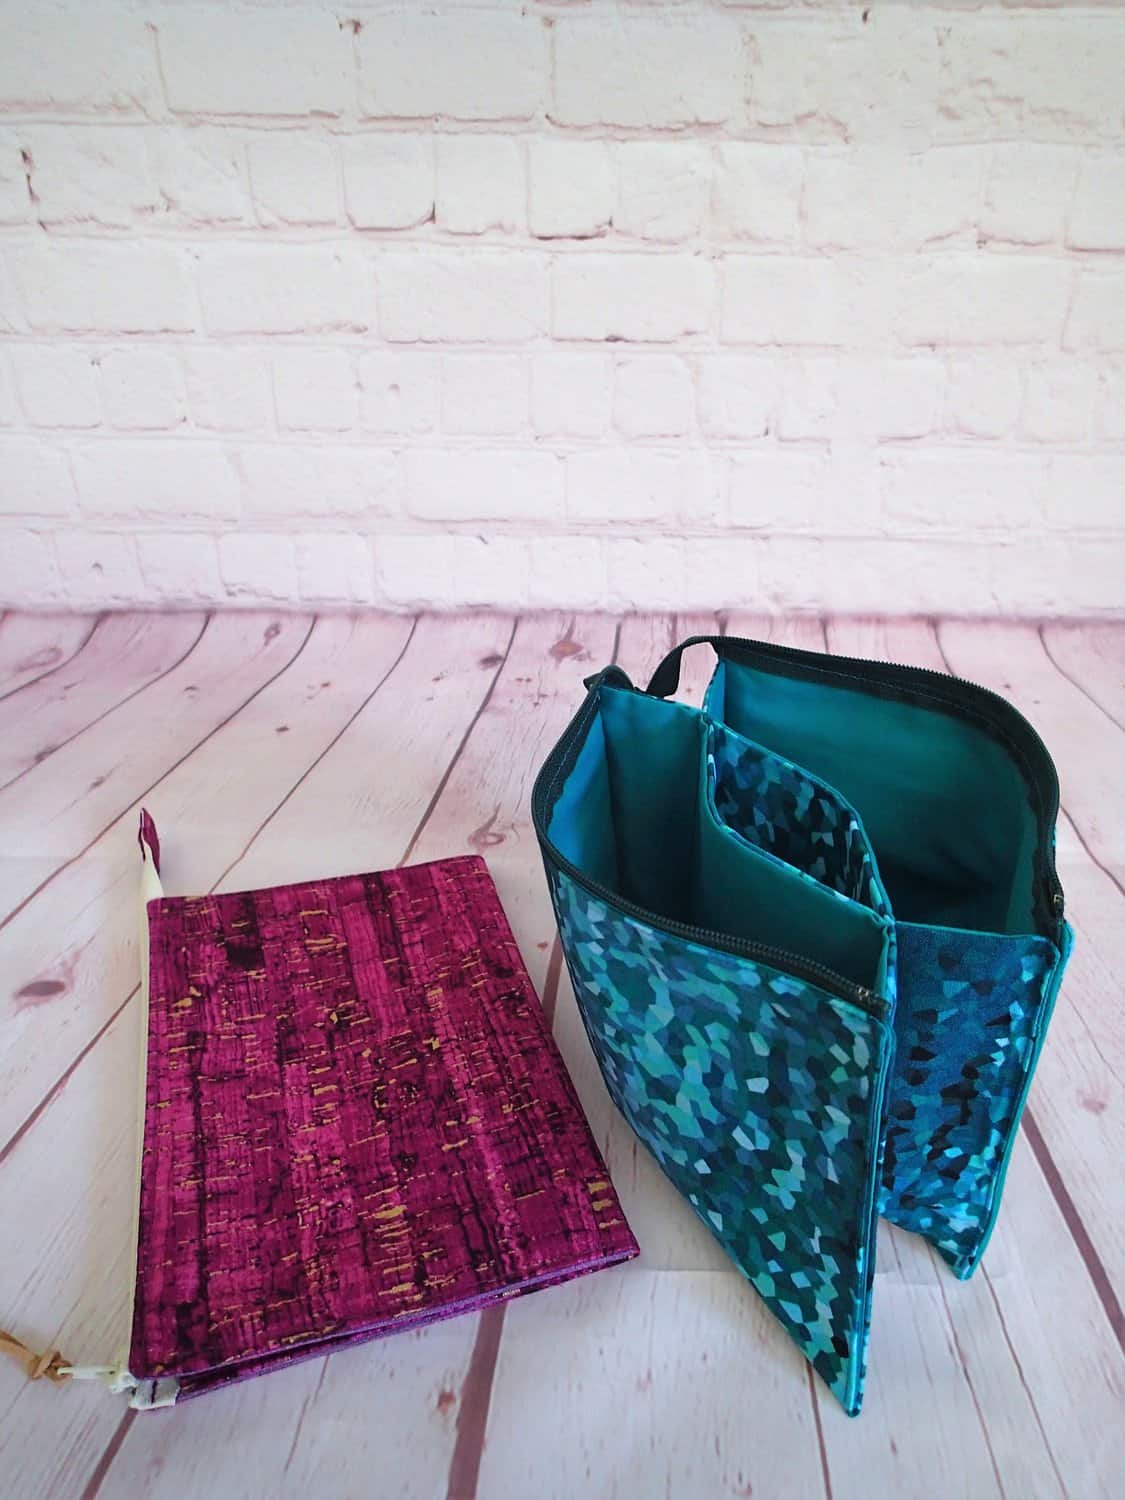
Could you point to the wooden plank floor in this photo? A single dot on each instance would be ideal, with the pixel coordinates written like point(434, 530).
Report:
point(271, 748)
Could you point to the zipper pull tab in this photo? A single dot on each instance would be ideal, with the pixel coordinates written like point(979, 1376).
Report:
point(49, 1366)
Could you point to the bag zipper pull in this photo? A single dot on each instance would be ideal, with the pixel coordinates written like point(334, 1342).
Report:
point(48, 1366)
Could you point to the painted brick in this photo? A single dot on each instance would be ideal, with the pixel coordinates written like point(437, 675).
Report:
point(644, 570)
point(282, 482)
point(758, 192)
point(445, 297)
point(334, 568)
point(142, 388)
point(567, 572)
point(1037, 76)
point(1097, 311)
point(1058, 402)
point(76, 58)
point(1027, 194)
point(986, 300)
point(225, 61)
point(984, 395)
point(652, 298)
point(180, 567)
point(874, 197)
point(817, 81)
point(773, 299)
point(501, 484)
point(259, 566)
point(293, 178)
point(489, 571)
point(316, 390)
point(480, 184)
point(571, 189)
point(35, 479)
point(28, 556)
point(722, 572)
point(105, 288)
point(57, 385)
point(637, 71)
point(483, 394)
point(98, 569)
point(156, 481)
point(985, 77)
point(283, 289)
point(849, 399)
point(570, 394)
point(951, 491)
point(10, 413)
point(654, 396)
point(738, 395)
point(89, 174)
point(201, 177)
point(862, 275)
point(663, 189)
point(1097, 219)
point(1086, 493)
point(638, 484)
point(786, 491)
point(388, 180)
point(1110, 402)
point(488, 67)
point(400, 392)
point(229, 389)
point(15, 199)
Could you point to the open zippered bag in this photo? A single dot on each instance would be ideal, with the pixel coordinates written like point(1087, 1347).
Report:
point(815, 933)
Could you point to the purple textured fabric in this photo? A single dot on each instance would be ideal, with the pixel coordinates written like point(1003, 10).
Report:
point(357, 1121)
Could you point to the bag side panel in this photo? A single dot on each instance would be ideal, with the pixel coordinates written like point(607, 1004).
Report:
point(761, 1098)
point(971, 1018)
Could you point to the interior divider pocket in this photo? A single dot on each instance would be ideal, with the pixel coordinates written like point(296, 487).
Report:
point(783, 811)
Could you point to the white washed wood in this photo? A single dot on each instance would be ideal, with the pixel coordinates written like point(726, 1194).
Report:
point(669, 1375)
point(1078, 1097)
point(1009, 1319)
point(122, 657)
point(1087, 747)
point(1092, 656)
point(69, 953)
point(357, 809)
point(1021, 1358)
point(229, 782)
point(31, 646)
point(65, 803)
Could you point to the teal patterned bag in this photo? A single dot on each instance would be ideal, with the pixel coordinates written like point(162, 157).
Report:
point(815, 933)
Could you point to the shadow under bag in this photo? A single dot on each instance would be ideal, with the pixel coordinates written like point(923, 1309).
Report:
point(816, 933)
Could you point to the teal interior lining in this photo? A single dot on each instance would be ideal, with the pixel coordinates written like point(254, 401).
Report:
point(636, 814)
point(944, 803)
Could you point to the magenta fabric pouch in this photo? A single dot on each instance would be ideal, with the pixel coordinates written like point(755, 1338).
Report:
point(356, 1121)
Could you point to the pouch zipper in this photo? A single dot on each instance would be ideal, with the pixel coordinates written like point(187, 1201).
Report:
point(144, 1393)
point(1014, 729)
point(782, 959)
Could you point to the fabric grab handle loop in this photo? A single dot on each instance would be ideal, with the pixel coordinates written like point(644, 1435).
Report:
point(666, 679)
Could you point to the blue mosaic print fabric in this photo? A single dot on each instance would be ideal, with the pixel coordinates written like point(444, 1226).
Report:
point(781, 809)
point(972, 1015)
point(796, 1058)
point(761, 1098)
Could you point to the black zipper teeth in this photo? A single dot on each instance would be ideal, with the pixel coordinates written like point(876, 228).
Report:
point(782, 959)
point(885, 673)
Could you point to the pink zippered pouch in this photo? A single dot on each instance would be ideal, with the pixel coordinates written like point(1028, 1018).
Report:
point(356, 1121)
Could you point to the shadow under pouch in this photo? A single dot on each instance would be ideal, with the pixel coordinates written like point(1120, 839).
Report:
point(815, 933)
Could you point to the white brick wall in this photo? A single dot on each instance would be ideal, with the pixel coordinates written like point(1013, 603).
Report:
point(802, 304)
